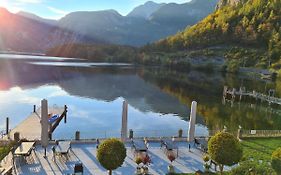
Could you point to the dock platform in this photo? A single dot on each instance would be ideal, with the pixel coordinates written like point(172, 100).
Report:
point(30, 128)
point(233, 93)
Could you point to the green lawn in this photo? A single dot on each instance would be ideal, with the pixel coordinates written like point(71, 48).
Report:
point(3, 152)
point(258, 151)
point(5, 149)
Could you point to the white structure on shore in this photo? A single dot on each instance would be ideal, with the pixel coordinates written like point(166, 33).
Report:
point(124, 130)
point(191, 130)
point(44, 124)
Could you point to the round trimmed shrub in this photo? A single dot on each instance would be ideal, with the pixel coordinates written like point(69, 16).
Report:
point(276, 161)
point(111, 154)
point(225, 149)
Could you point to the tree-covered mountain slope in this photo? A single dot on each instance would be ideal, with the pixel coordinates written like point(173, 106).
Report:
point(243, 23)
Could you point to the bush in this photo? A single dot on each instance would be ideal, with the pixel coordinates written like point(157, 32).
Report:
point(111, 154)
point(206, 158)
point(276, 160)
point(249, 168)
point(138, 160)
point(5, 149)
point(225, 149)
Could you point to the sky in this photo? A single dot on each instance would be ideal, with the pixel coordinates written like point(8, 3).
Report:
point(56, 9)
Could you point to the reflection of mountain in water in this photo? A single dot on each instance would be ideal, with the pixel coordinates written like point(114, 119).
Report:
point(139, 94)
point(97, 83)
point(206, 88)
point(155, 90)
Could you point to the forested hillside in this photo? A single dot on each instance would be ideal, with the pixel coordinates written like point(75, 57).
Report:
point(250, 24)
point(96, 52)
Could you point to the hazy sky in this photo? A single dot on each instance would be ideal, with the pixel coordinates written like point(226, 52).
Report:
point(58, 8)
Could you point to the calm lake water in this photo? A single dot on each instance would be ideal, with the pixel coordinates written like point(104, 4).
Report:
point(159, 99)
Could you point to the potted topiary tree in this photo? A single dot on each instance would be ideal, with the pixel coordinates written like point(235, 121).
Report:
point(146, 161)
point(111, 154)
point(207, 166)
point(138, 161)
point(276, 161)
point(225, 149)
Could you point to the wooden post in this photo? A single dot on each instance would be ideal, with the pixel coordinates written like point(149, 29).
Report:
point(225, 91)
point(77, 135)
point(233, 94)
point(240, 93)
point(65, 111)
point(7, 125)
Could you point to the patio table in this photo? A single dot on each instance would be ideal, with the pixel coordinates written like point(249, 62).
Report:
point(24, 149)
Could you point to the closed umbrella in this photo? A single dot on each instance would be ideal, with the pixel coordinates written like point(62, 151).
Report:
point(124, 129)
point(191, 130)
point(44, 125)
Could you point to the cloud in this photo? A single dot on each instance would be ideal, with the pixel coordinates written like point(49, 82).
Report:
point(57, 11)
point(17, 95)
point(30, 1)
point(17, 5)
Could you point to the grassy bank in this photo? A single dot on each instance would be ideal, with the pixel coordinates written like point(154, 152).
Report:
point(5, 149)
point(259, 150)
point(256, 155)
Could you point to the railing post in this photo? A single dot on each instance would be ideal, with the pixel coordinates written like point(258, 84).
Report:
point(7, 125)
point(77, 135)
point(239, 133)
point(131, 134)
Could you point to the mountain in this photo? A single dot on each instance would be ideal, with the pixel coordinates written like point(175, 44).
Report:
point(247, 31)
point(223, 3)
point(145, 10)
point(137, 28)
point(37, 18)
point(181, 15)
point(253, 22)
point(96, 24)
point(18, 33)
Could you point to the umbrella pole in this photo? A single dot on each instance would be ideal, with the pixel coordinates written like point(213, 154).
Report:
point(45, 152)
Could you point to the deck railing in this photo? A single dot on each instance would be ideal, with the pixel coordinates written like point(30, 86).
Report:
point(261, 133)
point(136, 134)
point(2, 134)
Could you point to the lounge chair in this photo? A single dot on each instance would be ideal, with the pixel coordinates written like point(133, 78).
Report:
point(203, 143)
point(61, 148)
point(139, 145)
point(169, 145)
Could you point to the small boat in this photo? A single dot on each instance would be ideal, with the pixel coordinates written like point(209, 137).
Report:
point(54, 118)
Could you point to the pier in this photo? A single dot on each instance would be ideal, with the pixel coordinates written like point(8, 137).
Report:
point(30, 128)
point(232, 94)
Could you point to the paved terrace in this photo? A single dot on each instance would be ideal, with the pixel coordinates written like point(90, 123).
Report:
point(86, 153)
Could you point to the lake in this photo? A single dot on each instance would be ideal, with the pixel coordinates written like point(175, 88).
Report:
point(159, 99)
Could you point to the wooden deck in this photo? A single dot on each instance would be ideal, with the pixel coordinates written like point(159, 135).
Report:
point(30, 128)
point(233, 93)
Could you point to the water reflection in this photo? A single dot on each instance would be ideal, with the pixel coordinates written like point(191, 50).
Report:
point(94, 97)
point(207, 89)
point(159, 99)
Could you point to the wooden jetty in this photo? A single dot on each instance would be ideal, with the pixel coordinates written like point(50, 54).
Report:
point(30, 128)
point(242, 92)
